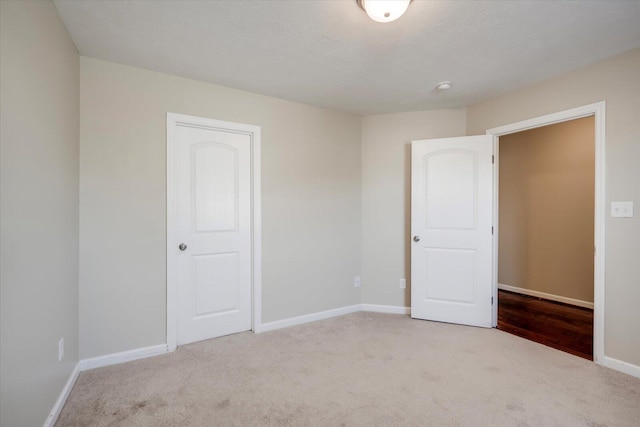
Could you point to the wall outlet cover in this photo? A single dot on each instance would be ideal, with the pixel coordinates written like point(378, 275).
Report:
point(356, 282)
point(622, 209)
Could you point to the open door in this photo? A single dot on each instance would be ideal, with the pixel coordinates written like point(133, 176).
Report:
point(451, 226)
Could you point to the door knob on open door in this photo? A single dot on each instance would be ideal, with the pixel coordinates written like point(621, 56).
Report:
point(416, 238)
point(182, 247)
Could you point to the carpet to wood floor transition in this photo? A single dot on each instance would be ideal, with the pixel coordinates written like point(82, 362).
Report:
point(562, 326)
point(361, 369)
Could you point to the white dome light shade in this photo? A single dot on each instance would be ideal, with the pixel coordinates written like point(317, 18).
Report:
point(384, 10)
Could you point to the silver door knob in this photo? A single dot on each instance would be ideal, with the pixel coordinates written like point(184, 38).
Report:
point(416, 238)
point(182, 246)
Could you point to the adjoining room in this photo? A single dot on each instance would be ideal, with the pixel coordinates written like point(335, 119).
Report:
point(546, 235)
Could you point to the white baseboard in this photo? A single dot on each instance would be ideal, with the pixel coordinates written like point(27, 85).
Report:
point(62, 399)
point(621, 366)
point(393, 309)
point(292, 321)
point(545, 295)
point(125, 356)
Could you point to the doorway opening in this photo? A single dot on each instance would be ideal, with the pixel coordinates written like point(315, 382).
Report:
point(548, 216)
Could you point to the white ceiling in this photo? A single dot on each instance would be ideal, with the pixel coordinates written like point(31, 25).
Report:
point(330, 54)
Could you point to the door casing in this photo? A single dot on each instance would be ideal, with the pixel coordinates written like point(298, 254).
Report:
point(172, 240)
point(598, 111)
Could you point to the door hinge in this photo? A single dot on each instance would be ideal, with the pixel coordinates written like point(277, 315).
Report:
point(491, 300)
point(493, 159)
point(492, 230)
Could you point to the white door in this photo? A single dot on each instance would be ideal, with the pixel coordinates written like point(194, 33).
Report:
point(451, 220)
point(212, 231)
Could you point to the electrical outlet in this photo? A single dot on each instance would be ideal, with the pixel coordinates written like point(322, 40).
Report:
point(356, 282)
point(60, 349)
point(622, 209)
point(403, 283)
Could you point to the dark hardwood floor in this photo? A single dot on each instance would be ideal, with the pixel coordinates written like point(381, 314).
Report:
point(561, 326)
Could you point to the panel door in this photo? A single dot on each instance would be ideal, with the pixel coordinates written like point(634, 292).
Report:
point(213, 225)
point(451, 225)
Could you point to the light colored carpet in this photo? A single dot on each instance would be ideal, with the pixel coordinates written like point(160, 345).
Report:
point(363, 369)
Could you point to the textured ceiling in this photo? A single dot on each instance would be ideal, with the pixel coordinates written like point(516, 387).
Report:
point(330, 54)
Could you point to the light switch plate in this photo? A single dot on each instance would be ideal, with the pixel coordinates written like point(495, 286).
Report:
point(622, 209)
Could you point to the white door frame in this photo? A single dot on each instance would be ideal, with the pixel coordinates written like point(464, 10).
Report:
point(598, 111)
point(256, 239)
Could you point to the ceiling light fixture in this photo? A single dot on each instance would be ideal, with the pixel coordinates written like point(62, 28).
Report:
point(384, 10)
point(444, 85)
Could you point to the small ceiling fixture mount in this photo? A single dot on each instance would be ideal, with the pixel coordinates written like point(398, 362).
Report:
point(444, 85)
point(384, 10)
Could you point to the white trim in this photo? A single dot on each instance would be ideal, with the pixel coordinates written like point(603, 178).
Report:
point(172, 331)
point(124, 356)
point(299, 320)
point(559, 117)
point(598, 111)
point(256, 192)
point(255, 133)
point(552, 297)
point(393, 309)
point(619, 365)
point(496, 231)
point(62, 399)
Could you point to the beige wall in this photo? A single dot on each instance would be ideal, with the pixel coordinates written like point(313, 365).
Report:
point(311, 206)
point(386, 197)
point(547, 178)
point(616, 81)
point(39, 84)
